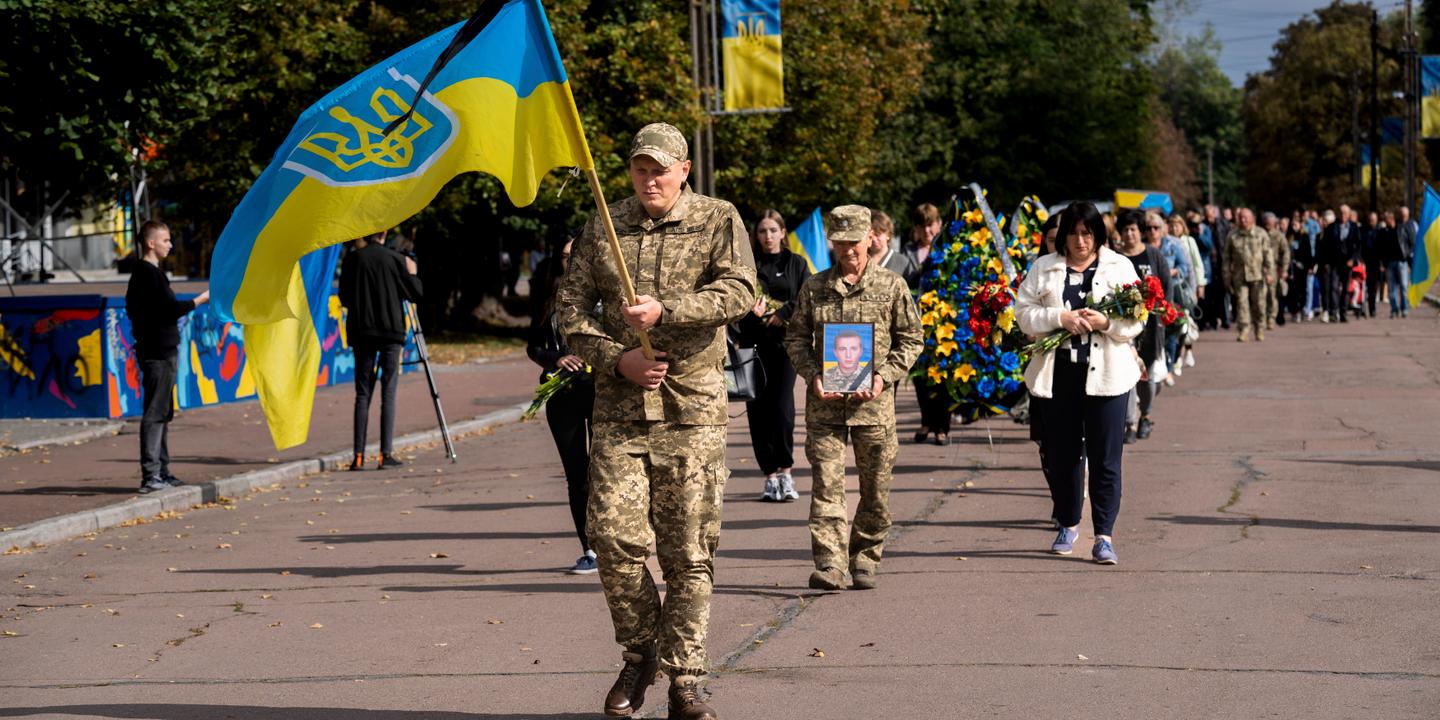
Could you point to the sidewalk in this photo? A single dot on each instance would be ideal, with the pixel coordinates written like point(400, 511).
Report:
point(1277, 559)
point(210, 443)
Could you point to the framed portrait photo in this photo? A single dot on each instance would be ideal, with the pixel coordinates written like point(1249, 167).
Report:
point(848, 355)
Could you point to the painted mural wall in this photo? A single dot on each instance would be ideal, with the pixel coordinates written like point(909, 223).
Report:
point(73, 356)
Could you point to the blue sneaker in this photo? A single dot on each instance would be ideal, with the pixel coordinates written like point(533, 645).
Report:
point(1103, 552)
point(585, 565)
point(1064, 542)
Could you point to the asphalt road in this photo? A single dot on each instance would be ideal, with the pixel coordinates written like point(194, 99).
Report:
point(1278, 558)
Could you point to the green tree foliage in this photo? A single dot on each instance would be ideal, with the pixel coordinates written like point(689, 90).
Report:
point(1306, 115)
point(85, 82)
point(846, 70)
point(1201, 103)
point(1023, 96)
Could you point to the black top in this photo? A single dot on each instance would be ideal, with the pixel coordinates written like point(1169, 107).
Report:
point(1151, 342)
point(1338, 243)
point(373, 281)
point(1077, 289)
point(153, 311)
point(780, 276)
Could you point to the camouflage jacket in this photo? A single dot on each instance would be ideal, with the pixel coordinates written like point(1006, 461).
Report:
point(1281, 248)
point(880, 297)
point(697, 262)
point(1249, 256)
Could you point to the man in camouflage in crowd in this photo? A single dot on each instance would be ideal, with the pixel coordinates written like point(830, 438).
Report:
point(657, 468)
point(1249, 269)
point(852, 291)
point(848, 372)
point(1277, 287)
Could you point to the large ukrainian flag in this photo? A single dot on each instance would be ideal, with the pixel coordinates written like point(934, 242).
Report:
point(501, 105)
point(751, 47)
point(1425, 265)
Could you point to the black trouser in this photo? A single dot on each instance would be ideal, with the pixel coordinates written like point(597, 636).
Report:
point(772, 413)
point(365, 366)
point(1078, 427)
point(568, 413)
point(934, 406)
point(1333, 279)
point(1374, 279)
point(158, 385)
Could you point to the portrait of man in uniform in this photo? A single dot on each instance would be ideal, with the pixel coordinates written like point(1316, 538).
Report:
point(849, 348)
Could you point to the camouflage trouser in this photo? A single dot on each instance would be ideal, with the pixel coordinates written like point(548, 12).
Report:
point(1250, 305)
point(1274, 292)
point(663, 482)
point(875, 448)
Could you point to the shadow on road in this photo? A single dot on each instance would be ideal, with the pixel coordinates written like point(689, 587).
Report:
point(77, 490)
point(341, 572)
point(402, 537)
point(1430, 465)
point(493, 506)
point(1294, 524)
point(158, 711)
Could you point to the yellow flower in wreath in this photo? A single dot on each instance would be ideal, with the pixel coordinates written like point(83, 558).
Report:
point(946, 347)
point(980, 237)
point(974, 217)
point(928, 319)
point(945, 332)
point(1006, 319)
point(945, 310)
point(995, 266)
point(928, 299)
point(964, 373)
point(936, 374)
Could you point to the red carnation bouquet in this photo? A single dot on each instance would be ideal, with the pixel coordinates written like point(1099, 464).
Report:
point(1134, 300)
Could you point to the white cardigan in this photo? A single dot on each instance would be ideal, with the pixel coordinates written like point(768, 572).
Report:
point(1113, 367)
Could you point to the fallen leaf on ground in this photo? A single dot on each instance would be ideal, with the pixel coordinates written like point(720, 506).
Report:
point(316, 626)
point(266, 597)
point(117, 645)
point(223, 546)
point(438, 555)
point(868, 645)
point(494, 621)
point(111, 611)
point(962, 557)
point(275, 624)
point(284, 572)
point(1081, 657)
point(817, 652)
point(10, 633)
point(1364, 567)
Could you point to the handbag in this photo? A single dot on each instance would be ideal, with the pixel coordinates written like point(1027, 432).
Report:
point(744, 375)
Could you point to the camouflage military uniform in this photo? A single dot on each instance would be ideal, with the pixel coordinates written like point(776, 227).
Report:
point(658, 457)
point(1249, 259)
point(882, 298)
point(1276, 290)
point(837, 378)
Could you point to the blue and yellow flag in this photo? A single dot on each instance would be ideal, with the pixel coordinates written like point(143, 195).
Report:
point(751, 50)
point(1430, 96)
point(496, 100)
point(808, 241)
point(1425, 265)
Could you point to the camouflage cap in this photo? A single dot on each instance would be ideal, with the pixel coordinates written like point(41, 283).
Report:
point(662, 142)
point(848, 223)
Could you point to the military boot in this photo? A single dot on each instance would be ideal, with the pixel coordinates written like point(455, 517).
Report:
point(628, 693)
point(831, 578)
point(685, 702)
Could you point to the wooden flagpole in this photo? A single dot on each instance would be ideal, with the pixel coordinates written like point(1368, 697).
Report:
point(629, 286)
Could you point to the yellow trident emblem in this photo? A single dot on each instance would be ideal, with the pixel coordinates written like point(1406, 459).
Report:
point(395, 151)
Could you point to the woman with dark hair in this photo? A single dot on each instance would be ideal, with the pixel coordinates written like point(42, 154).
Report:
point(1147, 261)
point(772, 413)
point(934, 401)
point(567, 412)
point(1081, 388)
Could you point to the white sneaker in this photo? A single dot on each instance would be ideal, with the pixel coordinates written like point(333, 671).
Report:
point(1170, 380)
point(772, 489)
point(787, 488)
point(1189, 358)
point(1178, 371)
point(1325, 317)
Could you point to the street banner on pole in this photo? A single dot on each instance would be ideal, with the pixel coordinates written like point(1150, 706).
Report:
point(750, 44)
point(808, 241)
point(1425, 266)
point(1430, 96)
point(488, 95)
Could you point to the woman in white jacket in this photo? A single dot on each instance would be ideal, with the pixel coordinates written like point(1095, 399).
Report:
point(1081, 388)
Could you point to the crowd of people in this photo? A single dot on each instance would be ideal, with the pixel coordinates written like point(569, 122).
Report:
point(641, 432)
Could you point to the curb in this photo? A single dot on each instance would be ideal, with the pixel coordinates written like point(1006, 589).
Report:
point(62, 527)
point(82, 435)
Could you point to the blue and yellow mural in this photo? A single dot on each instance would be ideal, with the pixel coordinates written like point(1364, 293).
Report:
point(73, 356)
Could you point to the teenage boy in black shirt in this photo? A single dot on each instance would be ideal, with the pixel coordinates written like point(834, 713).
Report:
point(154, 313)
